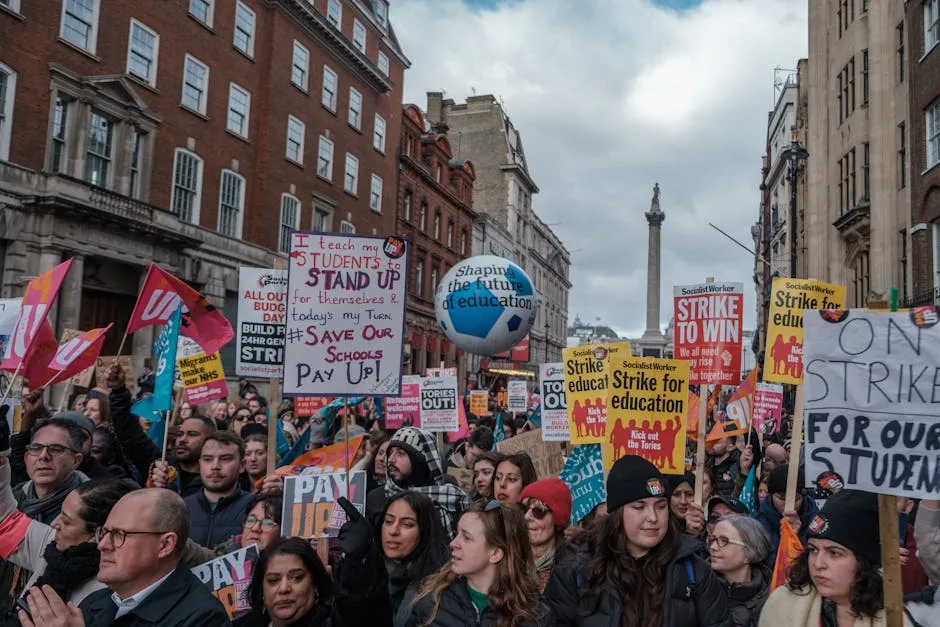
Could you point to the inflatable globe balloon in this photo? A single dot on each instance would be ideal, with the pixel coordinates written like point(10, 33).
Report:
point(485, 304)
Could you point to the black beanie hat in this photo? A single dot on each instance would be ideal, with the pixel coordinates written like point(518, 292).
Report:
point(633, 478)
point(676, 480)
point(777, 480)
point(850, 517)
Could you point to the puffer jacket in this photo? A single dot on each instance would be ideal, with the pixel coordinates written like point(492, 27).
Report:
point(699, 604)
point(746, 600)
point(457, 610)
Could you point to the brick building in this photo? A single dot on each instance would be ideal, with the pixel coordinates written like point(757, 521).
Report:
point(435, 211)
point(194, 133)
point(923, 66)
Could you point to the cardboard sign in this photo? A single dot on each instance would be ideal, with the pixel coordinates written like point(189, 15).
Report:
point(586, 389)
point(783, 353)
point(518, 396)
point(405, 410)
point(870, 409)
point(310, 509)
point(262, 307)
point(345, 320)
point(103, 364)
point(708, 321)
point(479, 402)
point(646, 407)
point(228, 578)
point(554, 402)
point(464, 477)
point(546, 456)
point(203, 378)
point(439, 404)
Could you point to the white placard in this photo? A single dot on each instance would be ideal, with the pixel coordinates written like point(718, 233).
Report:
point(518, 395)
point(554, 402)
point(262, 293)
point(439, 404)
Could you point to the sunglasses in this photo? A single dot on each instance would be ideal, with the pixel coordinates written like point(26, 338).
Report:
point(539, 512)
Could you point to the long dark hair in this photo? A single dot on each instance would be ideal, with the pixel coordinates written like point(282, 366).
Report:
point(308, 557)
point(493, 458)
point(432, 551)
point(866, 594)
point(117, 457)
point(641, 583)
point(523, 462)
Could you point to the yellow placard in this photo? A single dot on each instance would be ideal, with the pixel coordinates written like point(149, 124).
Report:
point(479, 402)
point(203, 377)
point(586, 389)
point(646, 406)
point(783, 353)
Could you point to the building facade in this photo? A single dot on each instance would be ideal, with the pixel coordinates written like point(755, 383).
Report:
point(504, 189)
point(193, 133)
point(436, 213)
point(923, 68)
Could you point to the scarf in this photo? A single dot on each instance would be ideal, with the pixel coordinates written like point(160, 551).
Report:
point(545, 562)
point(46, 508)
point(69, 568)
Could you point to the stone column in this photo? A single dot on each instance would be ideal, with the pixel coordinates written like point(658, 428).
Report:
point(655, 218)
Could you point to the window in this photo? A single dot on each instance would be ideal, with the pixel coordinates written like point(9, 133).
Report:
point(375, 194)
point(852, 181)
point(290, 220)
point(866, 91)
point(295, 139)
point(355, 109)
point(330, 85)
point(406, 207)
point(433, 279)
point(861, 285)
point(382, 62)
point(423, 216)
point(437, 225)
point(463, 243)
point(900, 55)
point(325, 159)
point(359, 36)
point(865, 6)
point(378, 134)
point(866, 171)
point(239, 110)
point(13, 5)
point(59, 121)
point(346, 227)
point(320, 220)
point(933, 133)
point(450, 234)
point(419, 277)
point(135, 166)
point(244, 29)
point(300, 66)
point(231, 204)
point(902, 155)
point(334, 13)
point(187, 185)
point(143, 51)
point(195, 84)
point(98, 150)
point(201, 10)
point(931, 24)
point(380, 8)
point(80, 23)
point(7, 93)
point(439, 174)
point(351, 180)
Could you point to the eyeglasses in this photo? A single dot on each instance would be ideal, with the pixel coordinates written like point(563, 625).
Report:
point(723, 541)
point(119, 536)
point(266, 524)
point(55, 450)
point(242, 417)
point(538, 511)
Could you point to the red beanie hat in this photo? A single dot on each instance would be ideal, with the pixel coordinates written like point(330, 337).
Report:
point(555, 494)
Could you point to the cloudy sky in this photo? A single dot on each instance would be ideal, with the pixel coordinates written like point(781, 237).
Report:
point(612, 96)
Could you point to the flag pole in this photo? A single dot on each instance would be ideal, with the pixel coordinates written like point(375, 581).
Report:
point(65, 396)
point(120, 346)
point(169, 421)
point(346, 439)
point(16, 373)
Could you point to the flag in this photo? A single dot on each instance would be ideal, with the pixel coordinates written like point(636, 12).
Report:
point(463, 429)
point(77, 354)
point(499, 432)
point(159, 297)
point(584, 474)
point(321, 460)
point(37, 300)
point(749, 491)
point(724, 427)
point(713, 400)
point(41, 350)
point(298, 449)
point(153, 407)
point(789, 549)
point(691, 414)
point(740, 406)
point(535, 416)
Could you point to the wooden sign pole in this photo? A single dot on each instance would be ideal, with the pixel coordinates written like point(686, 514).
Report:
point(796, 437)
point(702, 431)
point(274, 404)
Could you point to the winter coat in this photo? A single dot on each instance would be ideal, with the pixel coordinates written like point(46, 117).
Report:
point(746, 600)
point(927, 535)
point(726, 472)
point(770, 518)
point(211, 527)
point(702, 604)
point(803, 609)
point(457, 610)
point(923, 608)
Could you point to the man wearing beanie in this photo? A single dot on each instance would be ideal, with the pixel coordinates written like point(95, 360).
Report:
point(546, 505)
point(771, 509)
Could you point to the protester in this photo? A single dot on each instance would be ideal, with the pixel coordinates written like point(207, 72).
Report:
point(927, 536)
point(490, 579)
point(184, 412)
point(91, 466)
point(262, 525)
point(97, 408)
point(719, 507)
point(913, 577)
point(186, 470)
point(682, 504)
point(246, 387)
point(484, 469)
point(256, 455)
point(640, 569)
point(376, 472)
point(479, 442)
point(513, 473)
point(240, 418)
point(723, 461)
point(218, 414)
point(738, 547)
point(546, 506)
point(771, 509)
point(109, 453)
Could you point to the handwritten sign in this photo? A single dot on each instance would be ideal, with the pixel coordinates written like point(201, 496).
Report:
point(871, 396)
point(310, 508)
point(439, 404)
point(518, 395)
point(345, 315)
point(554, 402)
point(708, 320)
point(405, 410)
point(586, 389)
point(228, 578)
point(262, 307)
point(546, 456)
point(203, 378)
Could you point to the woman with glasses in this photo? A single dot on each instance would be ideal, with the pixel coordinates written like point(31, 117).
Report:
point(546, 506)
point(513, 474)
point(738, 547)
point(240, 418)
point(262, 526)
point(490, 579)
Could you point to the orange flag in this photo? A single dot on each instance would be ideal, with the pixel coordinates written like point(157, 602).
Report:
point(789, 549)
point(713, 400)
point(330, 458)
point(691, 415)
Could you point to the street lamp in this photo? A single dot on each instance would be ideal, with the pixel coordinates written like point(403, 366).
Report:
point(546, 341)
point(793, 154)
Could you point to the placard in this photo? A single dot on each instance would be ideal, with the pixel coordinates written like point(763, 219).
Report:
point(405, 410)
point(203, 378)
point(345, 320)
point(586, 389)
point(262, 307)
point(228, 578)
point(439, 404)
point(479, 402)
point(103, 364)
point(871, 393)
point(554, 402)
point(518, 396)
point(707, 333)
point(309, 405)
point(768, 407)
point(464, 477)
point(310, 508)
point(546, 456)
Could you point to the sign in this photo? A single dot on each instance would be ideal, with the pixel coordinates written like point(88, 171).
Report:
point(228, 578)
point(518, 396)
point(546, 456)
point(518, 353)
point(9, 312)
point(479, 402)
point(783, 353)
point(584, 474)
point(439, 404)
point(708, 320)
point(345, 320)
point(261, 310)
point(586, 389)
point(871, 396)
point(203, 378)
point(103, 363)
point(464, 477)
point(310, 508)
point(768, 407)
point(309, 405)
point(646, 406)
point(405, 410)
point(554, 403)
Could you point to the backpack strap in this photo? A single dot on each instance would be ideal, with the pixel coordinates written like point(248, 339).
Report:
point(690, 574)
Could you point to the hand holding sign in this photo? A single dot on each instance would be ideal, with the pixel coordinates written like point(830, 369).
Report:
point(355, 536)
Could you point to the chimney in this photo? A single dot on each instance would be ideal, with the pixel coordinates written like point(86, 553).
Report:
point(435, 106)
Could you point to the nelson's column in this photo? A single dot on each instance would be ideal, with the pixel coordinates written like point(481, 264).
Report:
point(653, 341)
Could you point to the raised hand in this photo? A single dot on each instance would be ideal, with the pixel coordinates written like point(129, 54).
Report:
point(355, 536)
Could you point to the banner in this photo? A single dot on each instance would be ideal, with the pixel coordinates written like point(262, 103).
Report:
point(310, 508)
point(325, 459)
point(37, 300)
point(708, 321)
point(518, 396)
point(9, 312)
point(479, 402)
point(228, 578)
point(646, 406)
point(405, 410)
point(261, 309)
point(768, 407)
point(439, 404)
point(584, 474)
point(41, 350)
point(546, 456)
point(164, 352)
point(586, 389)
point(518, 353)
point(554, 403)
point(739, 410)
point(203, 378)
point(345, 320)
point(783, 352)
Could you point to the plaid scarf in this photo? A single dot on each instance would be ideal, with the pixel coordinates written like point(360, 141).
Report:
point(450, 500)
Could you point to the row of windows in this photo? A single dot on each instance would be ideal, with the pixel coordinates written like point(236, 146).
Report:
point(290, 221)
point(423, 223)
point(438, 270)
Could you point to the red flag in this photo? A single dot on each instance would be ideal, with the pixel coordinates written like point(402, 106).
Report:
point(37, 301)
point(41, 351)
point(463, 427)
point(789, 549)
point(77, 354)
point(202, 321)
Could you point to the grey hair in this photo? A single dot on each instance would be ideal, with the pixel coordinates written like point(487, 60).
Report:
point(757, 543)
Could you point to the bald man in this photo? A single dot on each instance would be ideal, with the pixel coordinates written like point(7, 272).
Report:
point(140, 545)
point(774, 455)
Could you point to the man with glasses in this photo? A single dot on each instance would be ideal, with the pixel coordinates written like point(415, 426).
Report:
point(52, 458)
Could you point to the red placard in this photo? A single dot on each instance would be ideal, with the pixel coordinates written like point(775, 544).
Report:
point(309, 405)
point(708, 331)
